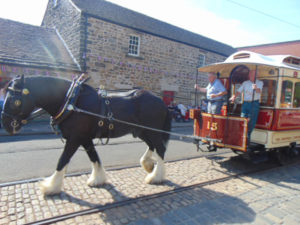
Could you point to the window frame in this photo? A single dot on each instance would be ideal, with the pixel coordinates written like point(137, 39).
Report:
point(295, 94)
point(283, 103)
point(137, 54)
point(269, 92)
point(201, 61)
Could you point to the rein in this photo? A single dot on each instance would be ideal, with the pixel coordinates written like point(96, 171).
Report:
point(141, 126)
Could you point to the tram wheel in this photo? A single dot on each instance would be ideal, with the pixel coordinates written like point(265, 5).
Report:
point(286, 155)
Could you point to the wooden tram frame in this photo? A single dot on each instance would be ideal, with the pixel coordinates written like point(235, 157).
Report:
point(278, 124)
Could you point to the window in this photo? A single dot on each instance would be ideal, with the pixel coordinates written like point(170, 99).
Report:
point(286, 94)
point(134, 46)
point(201, 60)
point(268, 94)
point(297, 95)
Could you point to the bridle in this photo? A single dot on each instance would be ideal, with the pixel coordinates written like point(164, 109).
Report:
point(18, 102)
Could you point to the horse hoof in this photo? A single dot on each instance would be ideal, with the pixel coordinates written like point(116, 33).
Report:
point(47, 188)
point(97, 177)
point(95, 182)
point(150, 179)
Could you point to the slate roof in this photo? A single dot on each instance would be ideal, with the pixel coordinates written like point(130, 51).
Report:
point(28, 45)
point(116, 14)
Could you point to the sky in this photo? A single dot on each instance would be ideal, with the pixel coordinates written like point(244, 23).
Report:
point(234, 22)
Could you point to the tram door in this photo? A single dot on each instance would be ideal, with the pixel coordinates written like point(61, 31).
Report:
point(235, 129)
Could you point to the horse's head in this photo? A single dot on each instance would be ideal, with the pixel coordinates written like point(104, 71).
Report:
point(18, 105)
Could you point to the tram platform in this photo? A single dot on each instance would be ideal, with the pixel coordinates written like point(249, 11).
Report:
point(269, 197)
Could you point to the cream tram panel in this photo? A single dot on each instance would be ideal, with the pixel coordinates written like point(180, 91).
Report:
point(275, 139)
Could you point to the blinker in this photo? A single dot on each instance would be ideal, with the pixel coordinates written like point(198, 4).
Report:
point(24, 122)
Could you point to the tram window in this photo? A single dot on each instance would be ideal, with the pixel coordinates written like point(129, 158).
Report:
point(268, 94)
point(286, 94)
point(297, 95)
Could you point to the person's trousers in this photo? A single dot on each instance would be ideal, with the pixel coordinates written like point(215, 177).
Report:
point(250, 110)
point(214, 107)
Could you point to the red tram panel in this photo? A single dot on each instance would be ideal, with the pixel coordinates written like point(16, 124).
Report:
point(231, 132)
point(278, 119)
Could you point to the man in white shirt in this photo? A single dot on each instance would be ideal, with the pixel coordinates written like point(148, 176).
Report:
point(182, 109)
point(251, 90)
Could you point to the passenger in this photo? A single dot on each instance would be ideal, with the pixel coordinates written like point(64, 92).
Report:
point(182, 109)
point(2, 97)
point(250, 107)
point(214, 94)
point(203, 105)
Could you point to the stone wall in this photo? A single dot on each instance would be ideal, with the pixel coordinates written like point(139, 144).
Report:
point(162, 65)
point(70, 25)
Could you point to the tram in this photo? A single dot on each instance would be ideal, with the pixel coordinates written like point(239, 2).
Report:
point(278, 124)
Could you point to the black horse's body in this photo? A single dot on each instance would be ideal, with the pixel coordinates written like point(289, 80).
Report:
point(79, 129)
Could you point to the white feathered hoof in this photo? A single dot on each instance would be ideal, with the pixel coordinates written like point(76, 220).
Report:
point(157, 176)
point(97, 177)
point(52, 185)
point(152, 179)
point(148, 165)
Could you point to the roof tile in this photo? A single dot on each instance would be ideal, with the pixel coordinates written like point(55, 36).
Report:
point(32, 46)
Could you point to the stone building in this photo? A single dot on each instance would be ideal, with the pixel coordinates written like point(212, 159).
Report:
point(119, 48)
point(33, 50)
point(122, 49)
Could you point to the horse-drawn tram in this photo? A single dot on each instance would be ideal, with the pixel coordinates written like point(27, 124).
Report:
point(278, 123)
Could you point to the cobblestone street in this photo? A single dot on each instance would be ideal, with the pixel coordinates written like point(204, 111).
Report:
point(270, 197)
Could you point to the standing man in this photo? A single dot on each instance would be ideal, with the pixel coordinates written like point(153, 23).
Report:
point(251, 90)
point(214, 93)
point(2, 97)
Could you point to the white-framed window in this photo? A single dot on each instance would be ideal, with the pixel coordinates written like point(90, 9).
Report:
point(201, 60)
point(134, 45)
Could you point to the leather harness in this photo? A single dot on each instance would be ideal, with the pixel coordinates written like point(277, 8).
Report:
point(70, 101)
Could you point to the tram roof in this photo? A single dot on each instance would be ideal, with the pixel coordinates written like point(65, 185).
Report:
point(251, 60)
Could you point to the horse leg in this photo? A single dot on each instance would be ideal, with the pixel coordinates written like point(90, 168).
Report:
point(53, 184)
point(98, 176)
point(158, 173)
point(146, 161)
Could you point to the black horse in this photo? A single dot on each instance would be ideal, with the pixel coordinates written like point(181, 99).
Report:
point(24, 95)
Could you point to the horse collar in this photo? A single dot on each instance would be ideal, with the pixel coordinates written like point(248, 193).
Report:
point(70, 100)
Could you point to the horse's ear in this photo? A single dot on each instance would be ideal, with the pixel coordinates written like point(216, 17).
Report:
point(22, 80)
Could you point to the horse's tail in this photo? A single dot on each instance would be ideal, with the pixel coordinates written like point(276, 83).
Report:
point(167, 127)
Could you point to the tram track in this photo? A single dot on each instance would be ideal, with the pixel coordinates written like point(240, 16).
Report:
point(108, 206)
point(111, 168)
